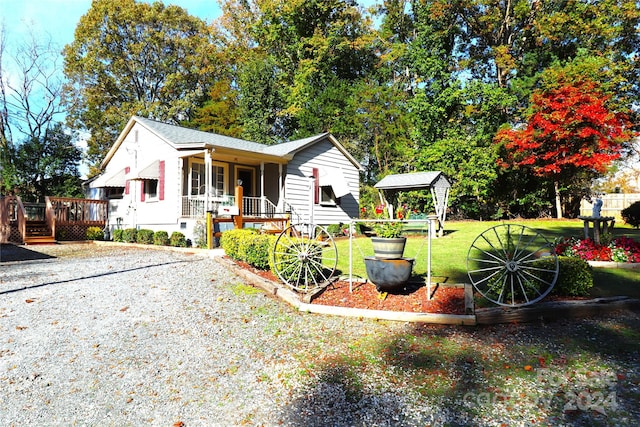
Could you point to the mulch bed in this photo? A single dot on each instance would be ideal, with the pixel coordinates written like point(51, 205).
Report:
point(411, 298)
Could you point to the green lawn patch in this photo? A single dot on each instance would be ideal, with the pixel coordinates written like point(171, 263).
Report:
point(449, 253)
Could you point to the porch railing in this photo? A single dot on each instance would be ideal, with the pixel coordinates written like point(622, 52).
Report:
point(197, 206)
point(79, 211)
point(194, 206)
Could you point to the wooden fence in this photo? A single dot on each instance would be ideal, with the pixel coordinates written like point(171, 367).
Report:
point(612, 204)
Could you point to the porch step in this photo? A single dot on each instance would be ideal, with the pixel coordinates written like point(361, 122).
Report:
point(38, 232)
point(39, 240)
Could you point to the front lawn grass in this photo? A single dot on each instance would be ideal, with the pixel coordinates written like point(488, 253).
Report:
point(449, 253)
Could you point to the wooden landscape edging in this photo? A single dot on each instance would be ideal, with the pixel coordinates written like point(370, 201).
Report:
point(293, 299)
point(555, 310)
point(542, 311)
point(400, 316)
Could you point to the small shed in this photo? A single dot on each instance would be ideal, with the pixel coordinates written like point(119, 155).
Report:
point(436, 181)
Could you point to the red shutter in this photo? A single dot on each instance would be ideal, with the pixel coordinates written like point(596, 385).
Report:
point(142, 191)
point(126, 183)
point(316, 186)
point(161, 181)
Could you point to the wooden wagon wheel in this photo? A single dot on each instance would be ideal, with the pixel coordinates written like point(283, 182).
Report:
point(305, 257)
point(512, 265)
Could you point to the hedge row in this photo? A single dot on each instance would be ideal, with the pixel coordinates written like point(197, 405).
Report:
point(148, 237)
point(249, 246)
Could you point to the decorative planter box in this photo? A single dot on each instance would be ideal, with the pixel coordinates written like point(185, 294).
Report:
point(388, 247)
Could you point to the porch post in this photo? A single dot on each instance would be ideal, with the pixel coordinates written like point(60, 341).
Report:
point(207, 179)
point(263, 204)
point(280, 188)
point(237, 219)
point(181, 190)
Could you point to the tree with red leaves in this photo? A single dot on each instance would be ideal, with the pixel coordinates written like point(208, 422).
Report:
point(570, 131)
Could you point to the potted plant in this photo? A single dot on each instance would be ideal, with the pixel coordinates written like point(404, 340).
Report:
point(388, 242)
point(388, 269)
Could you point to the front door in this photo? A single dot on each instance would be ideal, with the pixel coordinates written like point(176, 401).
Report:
point(246, 176)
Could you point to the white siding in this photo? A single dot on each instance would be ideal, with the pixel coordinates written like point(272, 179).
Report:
point(323, 155)
point(138, 150)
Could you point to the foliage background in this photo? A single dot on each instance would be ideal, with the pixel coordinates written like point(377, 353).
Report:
point(405, 85)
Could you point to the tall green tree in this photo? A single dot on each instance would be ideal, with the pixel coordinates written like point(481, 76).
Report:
point(315, 51)
point(131, 57)
point(220, 113)
point(48, 165)
point(261, 102)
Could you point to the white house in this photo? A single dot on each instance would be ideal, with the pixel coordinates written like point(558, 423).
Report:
point(166, 177)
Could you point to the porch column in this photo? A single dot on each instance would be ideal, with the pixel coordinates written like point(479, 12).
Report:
point(280, 189)
point(263, 204)
point(181, 190)
point(207, 179)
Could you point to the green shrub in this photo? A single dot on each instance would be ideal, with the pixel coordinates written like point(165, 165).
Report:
point(129, 235)
point(161, 238)
point(258, 250)
point(118, 235)
point(144, 236)
point(631, 214)
point(95, 233)
point(234, 242)
point(178, 240)
point(575, 276)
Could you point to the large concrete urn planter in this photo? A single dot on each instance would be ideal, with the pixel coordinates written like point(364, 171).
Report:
point(388, 247)
point(388, 274)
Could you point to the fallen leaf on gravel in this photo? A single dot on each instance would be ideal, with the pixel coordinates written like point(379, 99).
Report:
point(28, 301)
point(124, 308)
point(21, 328)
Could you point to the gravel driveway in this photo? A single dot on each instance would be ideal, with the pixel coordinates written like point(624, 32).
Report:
point(113, 335)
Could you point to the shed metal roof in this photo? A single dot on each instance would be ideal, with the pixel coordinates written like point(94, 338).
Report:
point(413, 181)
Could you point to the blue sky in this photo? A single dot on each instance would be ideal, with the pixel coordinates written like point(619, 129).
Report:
point(59, 18)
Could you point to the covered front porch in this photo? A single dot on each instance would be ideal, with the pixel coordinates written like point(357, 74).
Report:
point(210, 181)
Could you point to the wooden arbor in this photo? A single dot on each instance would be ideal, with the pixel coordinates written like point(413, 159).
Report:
point(435, 181)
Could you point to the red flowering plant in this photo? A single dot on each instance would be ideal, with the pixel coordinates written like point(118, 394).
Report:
point(621, 249)
point(625, 249)
point(386, 228)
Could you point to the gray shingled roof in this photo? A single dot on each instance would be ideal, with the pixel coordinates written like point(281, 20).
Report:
point(292, 146)
point(181, 136)
point(409, 181)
